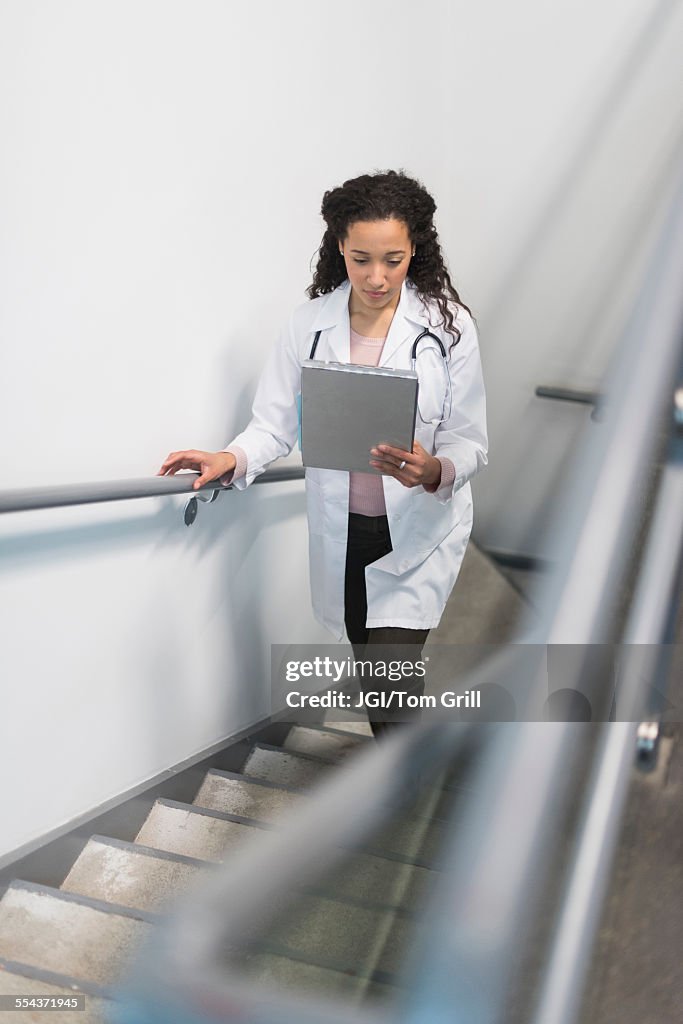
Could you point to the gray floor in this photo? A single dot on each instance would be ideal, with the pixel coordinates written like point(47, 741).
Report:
point(636, 975)
point(485, 606)
point(637, 969)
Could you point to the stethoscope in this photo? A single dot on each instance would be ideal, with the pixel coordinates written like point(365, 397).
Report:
point(413, 363)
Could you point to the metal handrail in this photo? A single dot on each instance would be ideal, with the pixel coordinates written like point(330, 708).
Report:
point(568, 395)
point(25, 499)
point(657, 590)
point(594, 540)
point(595, 399)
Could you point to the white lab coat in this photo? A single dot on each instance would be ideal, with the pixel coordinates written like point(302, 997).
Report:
point(408, 587)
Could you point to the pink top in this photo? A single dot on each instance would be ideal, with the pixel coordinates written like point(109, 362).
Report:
point(366, 492)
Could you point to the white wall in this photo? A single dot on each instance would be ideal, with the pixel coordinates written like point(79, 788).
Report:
point(162, 171)
point(574, 178)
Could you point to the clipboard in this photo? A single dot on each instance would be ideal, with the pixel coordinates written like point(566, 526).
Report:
point(347, 409)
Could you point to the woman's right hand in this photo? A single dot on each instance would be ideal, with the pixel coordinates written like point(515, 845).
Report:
point(210, 465)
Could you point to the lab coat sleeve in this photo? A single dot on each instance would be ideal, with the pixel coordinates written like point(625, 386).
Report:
point(273, 428)
point(463, 436)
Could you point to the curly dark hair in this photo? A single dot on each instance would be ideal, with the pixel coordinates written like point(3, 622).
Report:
point(380, 196)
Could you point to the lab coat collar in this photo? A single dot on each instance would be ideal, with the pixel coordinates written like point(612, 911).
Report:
point(334, 316)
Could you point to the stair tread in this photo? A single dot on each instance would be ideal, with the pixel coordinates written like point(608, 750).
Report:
point(124, 874)
point(247, 797)
point(21, 980)
point(284, 766)
point(367, 876)
point(186, 830)
point(91, 928)
point(416, 838)
point(358, 727)
point(348, 937)
point(49, 929)
point(193, 831)
point(302, 976)
point(322, 742)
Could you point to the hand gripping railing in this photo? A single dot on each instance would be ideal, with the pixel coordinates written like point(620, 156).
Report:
point(465, 969)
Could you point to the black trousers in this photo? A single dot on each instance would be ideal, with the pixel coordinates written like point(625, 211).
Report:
point(369, 539)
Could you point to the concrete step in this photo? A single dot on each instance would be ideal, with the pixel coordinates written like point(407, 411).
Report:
point(194, 831)
point(414, 837)
point(359, 726)
point(300, 771)
point(232, 793)
point(289, 769)
point(115, 892)
point(273, 764)
point(139, 877)
point(56, 931)
point(301, 976)
point(343, 936)
point(370, 877)
point(130, 874)
point(210, 835)
point(17, 979)
point(323, 742)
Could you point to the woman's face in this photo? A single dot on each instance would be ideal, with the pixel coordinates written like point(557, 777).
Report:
point(377, 255)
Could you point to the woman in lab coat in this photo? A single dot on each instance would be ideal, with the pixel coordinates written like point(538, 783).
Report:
point(385, 547)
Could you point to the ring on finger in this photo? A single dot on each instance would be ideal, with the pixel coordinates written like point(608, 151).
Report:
point(402, 465)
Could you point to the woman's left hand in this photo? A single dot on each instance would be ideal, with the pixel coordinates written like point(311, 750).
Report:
point(410, 468)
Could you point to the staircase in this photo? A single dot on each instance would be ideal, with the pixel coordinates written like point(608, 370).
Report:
point(347, 937)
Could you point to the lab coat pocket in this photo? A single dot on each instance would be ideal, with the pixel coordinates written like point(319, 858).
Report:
point(432, 520)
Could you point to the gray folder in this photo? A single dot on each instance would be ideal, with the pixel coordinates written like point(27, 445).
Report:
point(347, 409)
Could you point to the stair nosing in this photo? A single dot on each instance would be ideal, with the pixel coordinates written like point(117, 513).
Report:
point(266, 826)
point(361, 737)
point(300, 790)
point(146, 851)
point(311, 890)
point(103, 906)
point(24, 970)
point(319, 892)
point(315, 960)
point(254, 779)
point(314, 758)
point(209, 812)
point(398, 858)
